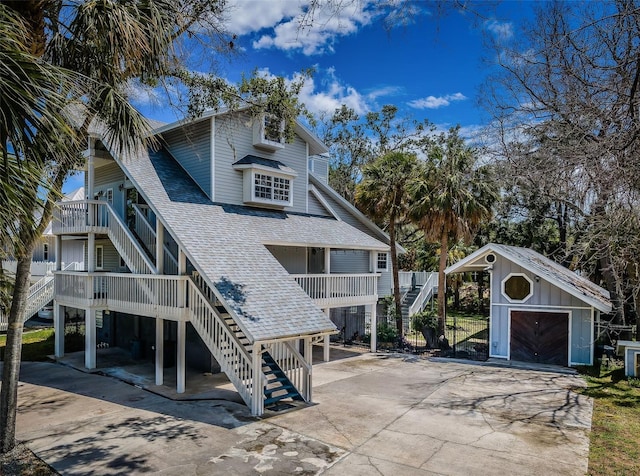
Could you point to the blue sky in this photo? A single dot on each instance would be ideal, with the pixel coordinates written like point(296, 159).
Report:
point(431, 68)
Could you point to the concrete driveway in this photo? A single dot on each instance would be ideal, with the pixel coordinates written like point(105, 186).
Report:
point(375, 414)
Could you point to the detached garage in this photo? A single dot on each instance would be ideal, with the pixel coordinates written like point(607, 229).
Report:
point(540, 311)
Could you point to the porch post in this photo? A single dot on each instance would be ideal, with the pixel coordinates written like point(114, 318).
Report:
point(371, 310)
point(308, 356)
point(91, 253)
point(58, 252)
point(327, 260)
point(58, 328)
point(159, 246)
point(326, 348)
point(159, 351)
point(182, 270)
point(180, 361)
point(257, 401)
point(90, 179)
point(90, 338)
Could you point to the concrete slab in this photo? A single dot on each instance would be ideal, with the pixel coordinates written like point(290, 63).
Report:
point(385, 413)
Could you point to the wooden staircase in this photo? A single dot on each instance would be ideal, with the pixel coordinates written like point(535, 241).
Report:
point(277, 386)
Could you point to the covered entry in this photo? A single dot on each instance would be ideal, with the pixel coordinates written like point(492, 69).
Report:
point(538, 336)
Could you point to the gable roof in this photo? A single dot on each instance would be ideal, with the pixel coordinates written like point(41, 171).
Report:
point(226, 244)
point(316, 146)
point(542, 266)
point(349, 208)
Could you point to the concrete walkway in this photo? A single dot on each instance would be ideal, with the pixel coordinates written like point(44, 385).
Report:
point(374, 414)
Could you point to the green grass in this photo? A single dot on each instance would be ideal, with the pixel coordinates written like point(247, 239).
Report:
point(615, 426)
point(36, 345)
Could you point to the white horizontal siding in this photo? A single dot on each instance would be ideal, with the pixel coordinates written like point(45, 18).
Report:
point(233, 141)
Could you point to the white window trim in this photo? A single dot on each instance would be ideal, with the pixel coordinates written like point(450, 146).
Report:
point(109, 196)
point(516, 301)
point(45, 251)
point(386, 260)
point(100, 262)
point(259, 139)
point(272, 201)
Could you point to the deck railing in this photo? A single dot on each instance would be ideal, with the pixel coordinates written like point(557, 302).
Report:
point(96, 216)
point(38, 268)
point(147, 295)
point(339, 289)
point(405, 278)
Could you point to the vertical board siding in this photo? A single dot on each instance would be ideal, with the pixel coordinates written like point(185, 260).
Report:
point(73, 251)
point(233, 141)
point(292, 258)
point(544, 294)
point(191, 147)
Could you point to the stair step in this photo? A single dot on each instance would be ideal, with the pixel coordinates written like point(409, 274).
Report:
point(276, 379)
point(286, 388)
point(272, 400)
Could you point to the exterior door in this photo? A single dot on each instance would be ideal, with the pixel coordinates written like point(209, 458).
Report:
point(540, 337)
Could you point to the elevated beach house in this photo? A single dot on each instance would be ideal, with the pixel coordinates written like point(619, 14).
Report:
point(225, 249)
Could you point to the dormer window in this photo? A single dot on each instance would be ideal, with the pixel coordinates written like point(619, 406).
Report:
point(268, 133)
point(266, 182)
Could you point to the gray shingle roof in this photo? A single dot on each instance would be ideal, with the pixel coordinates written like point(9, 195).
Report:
point(270, 163)
point(542, 266)
point(226, 245)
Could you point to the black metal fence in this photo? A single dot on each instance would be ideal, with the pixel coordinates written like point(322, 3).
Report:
point(467, 337)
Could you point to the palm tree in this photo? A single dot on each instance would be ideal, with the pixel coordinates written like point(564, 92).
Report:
point(382, 195)
point(451, 198)
point(98, 47)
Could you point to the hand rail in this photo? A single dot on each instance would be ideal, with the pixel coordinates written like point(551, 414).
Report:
point(144, 230)
point(427, 289)
point(232, 356)
point(147, 234)
point(82, 216)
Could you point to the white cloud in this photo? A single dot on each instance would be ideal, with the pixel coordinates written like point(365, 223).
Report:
point(384, 91)
point(324, 93)
point(247, 16)
point(294, 27)
point(142, 94)
point(502, 30)
point(433, 102)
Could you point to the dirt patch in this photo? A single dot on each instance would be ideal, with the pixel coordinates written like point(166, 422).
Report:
point(22, 462)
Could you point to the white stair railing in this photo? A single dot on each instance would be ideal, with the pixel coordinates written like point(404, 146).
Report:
point(144, 230)
point(147, 234)
point(41, 293)
point(293, 364)
point(425, 294)
point(84, 216)
point(228, 351)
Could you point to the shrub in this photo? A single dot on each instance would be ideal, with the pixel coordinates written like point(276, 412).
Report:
point(386, 333)
point(424, 319)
